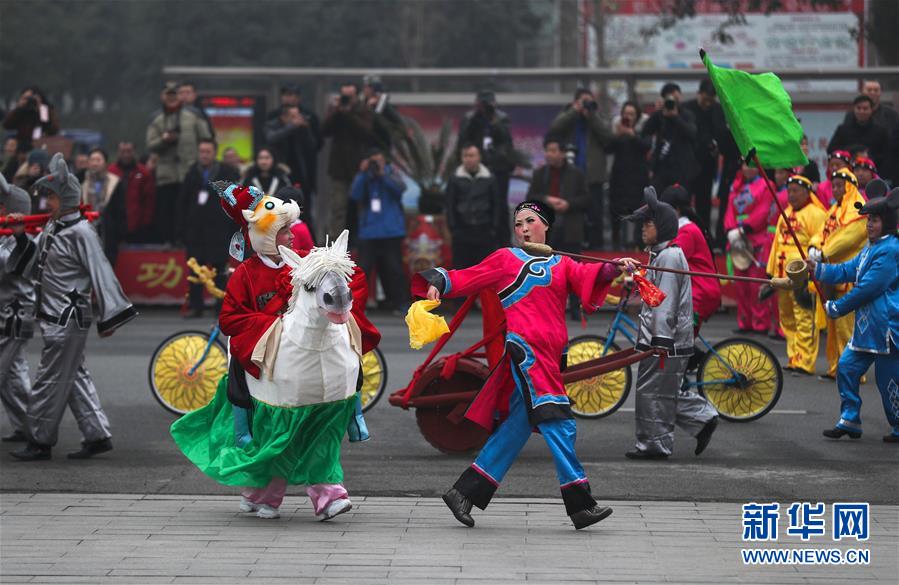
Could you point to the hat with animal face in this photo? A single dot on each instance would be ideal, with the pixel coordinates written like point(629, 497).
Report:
point(259, 216)
point(61, 182)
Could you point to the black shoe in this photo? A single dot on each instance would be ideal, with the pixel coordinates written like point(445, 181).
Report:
point(32, 452)
point(891, 438)
point(739, 330)
point(460, 506)
point(826, 378)
point(705, 435)
point(836, 433)
point(88, 450)
point(591, 516)
point(195, 314)
point(639, 454)
point(15, 437)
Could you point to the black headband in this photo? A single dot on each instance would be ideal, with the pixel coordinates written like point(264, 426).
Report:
point(842, 174)
point(532, 207)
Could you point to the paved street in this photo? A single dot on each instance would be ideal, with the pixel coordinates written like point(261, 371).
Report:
point(77, 538)
point(781, 456)
point(143, 514)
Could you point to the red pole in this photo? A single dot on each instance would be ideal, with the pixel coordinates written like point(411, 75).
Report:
point(783, 215)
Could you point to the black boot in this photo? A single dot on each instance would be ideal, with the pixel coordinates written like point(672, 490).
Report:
point(590, 516)
point(460, 506)
point(705, 435)
point(891, 438)
point(32, 452)
point(89, 449)
point(836, 433)
point(15, 437)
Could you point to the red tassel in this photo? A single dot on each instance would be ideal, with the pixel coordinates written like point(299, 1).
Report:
point(649, 292)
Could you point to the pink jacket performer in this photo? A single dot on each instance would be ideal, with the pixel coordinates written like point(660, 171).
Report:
point(746, 223)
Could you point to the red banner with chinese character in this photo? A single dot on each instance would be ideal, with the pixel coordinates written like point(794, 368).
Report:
point(153, 277)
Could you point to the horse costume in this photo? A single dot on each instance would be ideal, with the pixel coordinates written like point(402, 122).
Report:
point(302, 402)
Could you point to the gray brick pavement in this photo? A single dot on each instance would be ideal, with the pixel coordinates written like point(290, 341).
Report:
point(116, 538)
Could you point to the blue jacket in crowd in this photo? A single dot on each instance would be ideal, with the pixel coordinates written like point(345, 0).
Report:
point(381, 213)
point(875, 297)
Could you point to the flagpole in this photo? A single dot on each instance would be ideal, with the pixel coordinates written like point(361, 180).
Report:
point(783, 214)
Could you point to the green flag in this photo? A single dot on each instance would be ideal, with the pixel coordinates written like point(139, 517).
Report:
point(760, 115)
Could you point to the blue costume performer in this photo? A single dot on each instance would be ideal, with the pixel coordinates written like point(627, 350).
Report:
point(875, 300)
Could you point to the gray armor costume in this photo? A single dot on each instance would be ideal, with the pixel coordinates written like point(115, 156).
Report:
point(67, 264)
point(16, 318)
point(660, 404)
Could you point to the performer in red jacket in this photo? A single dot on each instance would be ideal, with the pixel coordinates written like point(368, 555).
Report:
point(746, 223)
point(691, 238)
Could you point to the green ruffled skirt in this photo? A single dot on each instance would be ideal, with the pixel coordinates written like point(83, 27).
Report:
point(300, 444)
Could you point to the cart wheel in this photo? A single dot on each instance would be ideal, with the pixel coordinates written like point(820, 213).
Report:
point(437, 429)
point(759, 385)
point(374, 378)
point(601, 395)
point(173, 385)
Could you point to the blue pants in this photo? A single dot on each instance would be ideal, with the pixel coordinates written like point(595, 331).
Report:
point(850, 369)
point(479, 482)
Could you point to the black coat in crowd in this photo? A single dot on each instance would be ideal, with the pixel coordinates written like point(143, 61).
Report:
point(871, 135)
point(674, 152)
point(205, 229)
point(496, 153)
point(474, 206)
point(297, 147)
point(269, 183)
point(569, 226)
point(630, 173)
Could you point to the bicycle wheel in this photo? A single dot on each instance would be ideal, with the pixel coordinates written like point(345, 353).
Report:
point(171, 381)
point(601, 395)
point(757, 387)
point(374, 378)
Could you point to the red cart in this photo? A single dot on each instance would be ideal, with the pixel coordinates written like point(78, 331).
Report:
point(442, 388)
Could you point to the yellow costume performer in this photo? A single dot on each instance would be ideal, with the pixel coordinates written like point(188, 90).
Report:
point(806, 215)
point(841, 239)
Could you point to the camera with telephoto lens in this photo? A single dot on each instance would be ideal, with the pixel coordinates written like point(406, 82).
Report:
point(345, 100)
point(591, 105)
point(31, 102)
point(670, 103)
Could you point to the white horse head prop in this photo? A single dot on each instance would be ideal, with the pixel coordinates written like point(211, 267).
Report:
point(320, 281)
point(315, 361)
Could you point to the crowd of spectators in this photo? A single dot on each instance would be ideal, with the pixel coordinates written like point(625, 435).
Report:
point(594, 171)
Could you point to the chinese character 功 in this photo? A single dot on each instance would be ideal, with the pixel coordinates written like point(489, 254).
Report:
point(760, 521)
point(850, 521)
point(153, 274)
point(806, 519)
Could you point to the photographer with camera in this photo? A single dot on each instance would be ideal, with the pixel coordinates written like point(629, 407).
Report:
point(488, 127)
point(712, 140)
point(350, 125)
point(581, 125)
point(32, 118)
point(174, 134)
point(378, 192)
point(673, 131)
point(630, 172)
point(307, 120)
point(385, 115)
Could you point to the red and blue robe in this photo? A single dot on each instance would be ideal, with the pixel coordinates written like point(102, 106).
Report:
point(533, 291)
